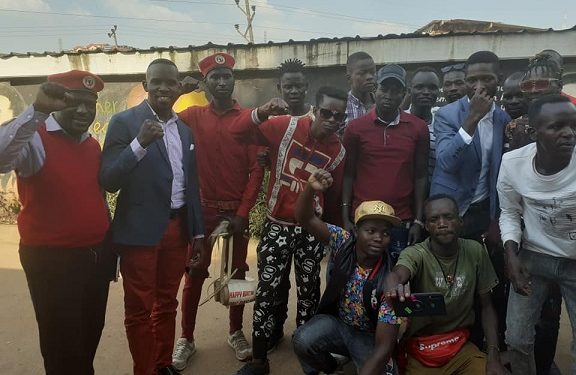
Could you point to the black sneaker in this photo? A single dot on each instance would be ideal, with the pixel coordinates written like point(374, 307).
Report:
point(275, 339)
point(170, 370)
point(254, 368)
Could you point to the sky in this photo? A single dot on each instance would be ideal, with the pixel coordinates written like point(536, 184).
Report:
point(52, 25)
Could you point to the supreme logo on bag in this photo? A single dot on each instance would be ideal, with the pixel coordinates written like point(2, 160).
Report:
point(437, 350)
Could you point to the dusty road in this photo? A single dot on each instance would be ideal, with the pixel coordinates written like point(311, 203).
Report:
point(19, 349)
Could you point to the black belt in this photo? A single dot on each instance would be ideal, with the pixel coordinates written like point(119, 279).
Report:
point(177, 212)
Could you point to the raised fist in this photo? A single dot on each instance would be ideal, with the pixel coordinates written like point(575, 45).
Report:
point(189, 84)
point(320, 180)
point(275, 107)
point(150, 131)
point(52, 97)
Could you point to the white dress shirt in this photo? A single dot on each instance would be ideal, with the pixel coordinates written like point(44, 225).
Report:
point(485, 131)
point(173, 145)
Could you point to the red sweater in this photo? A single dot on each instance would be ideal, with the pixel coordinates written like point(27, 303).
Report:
point(294, 156)
point(63, 204)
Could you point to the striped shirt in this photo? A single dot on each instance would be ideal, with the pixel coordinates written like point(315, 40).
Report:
point(432, 157)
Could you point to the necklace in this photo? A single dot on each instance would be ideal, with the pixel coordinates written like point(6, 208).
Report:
point(449, 279)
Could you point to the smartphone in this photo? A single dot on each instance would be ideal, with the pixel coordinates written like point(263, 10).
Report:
point(421, 304)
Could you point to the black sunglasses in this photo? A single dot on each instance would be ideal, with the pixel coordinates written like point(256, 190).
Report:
point(328, 114)
point(456, 67)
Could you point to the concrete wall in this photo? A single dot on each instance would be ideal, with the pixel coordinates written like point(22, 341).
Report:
point(256, 75)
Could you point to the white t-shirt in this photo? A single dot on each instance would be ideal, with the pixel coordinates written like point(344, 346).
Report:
point(546, 203)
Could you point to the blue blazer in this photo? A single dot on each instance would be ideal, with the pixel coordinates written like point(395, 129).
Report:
point(458, 164)
point(143, 207)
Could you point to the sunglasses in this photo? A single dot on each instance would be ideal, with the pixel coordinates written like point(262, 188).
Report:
point(456, 67)
point(537, 85)
point(328, 114)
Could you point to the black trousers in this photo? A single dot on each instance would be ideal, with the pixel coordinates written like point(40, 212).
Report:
point(69, 290)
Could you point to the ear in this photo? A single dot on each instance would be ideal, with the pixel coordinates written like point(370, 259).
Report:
point(145, 85)
point(279, 87)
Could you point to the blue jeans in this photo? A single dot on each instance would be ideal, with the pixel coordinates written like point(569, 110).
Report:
point(524, 311)
point(324, 334)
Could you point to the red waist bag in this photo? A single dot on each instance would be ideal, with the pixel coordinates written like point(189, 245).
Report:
point(437, 350)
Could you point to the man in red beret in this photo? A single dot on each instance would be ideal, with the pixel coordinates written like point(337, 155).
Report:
point(64, 218)
point(230, 179)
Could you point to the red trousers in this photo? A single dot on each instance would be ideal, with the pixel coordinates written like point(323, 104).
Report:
point(151, 278)
point(193, 284)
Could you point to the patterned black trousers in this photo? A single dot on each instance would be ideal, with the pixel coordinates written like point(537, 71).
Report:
point(280, 242)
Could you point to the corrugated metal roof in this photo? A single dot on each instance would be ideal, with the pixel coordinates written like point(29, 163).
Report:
point(289, 42)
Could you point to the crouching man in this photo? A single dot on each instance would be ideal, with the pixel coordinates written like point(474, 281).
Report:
point(461, 271)
point(353, 314)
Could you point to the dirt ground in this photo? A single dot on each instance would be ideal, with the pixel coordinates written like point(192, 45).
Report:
point(20, 354)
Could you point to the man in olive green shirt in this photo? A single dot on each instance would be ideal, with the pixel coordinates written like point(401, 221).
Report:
point(461, 271)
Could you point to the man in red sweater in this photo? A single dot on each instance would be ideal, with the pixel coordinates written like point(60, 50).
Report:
point(298, 147)
point(64, 218)
point(230, 179)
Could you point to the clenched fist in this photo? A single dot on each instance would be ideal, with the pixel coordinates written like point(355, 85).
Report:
point(320, 180)
point(52, 97)
point(189, 84)
point(150, 131)
point(274, 107)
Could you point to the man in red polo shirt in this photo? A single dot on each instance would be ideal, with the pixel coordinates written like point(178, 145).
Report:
point(388, 142)
point(298, 147)
point(64, 218)
point(230, 179)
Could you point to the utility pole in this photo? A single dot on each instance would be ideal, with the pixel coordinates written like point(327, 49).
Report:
point(112, 34)
point(249, 12)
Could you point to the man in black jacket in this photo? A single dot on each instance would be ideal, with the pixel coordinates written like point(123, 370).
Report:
point(352, 308)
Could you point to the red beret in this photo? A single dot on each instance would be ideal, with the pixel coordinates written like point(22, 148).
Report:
point(78, 80)
point(217, 60)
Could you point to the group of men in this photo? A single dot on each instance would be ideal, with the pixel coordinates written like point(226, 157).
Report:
point(412, 192)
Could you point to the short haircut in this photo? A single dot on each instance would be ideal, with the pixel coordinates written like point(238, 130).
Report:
point(437, 197)
point(331, 92)
point(291, 66)
point(357, 56)
point(162, 61)
point(424, 69)
point(536, 106)
point(486, 57)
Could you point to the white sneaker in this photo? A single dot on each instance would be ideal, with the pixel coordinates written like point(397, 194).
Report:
point(237, 341)
point(183, 350)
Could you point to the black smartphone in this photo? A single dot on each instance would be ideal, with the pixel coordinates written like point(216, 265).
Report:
point(421, 304)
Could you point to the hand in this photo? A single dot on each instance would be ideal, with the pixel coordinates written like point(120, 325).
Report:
point(494, 367)
point(274, 107)
point(400, 291)
point(519, 276)
point(481, 103)
point(198, 264)
point(320, 180)
point(239, 225)
point(414, 234)
point(150, 131)
point(52, 97)
point(263, 158)
point(189, 84)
